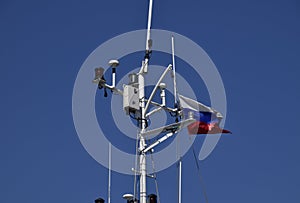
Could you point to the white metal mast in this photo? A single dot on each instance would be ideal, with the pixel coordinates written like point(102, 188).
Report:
point(142, 144)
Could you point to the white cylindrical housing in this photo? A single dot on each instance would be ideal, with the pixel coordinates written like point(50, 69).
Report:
point(113, 77)
point(162, 87)
point(163, 97)
point(113, 63)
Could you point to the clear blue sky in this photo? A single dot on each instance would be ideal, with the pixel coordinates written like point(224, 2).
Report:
point(255, 46)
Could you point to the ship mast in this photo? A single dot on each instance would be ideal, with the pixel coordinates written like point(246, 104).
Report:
point(134, 102)
point(142, 144)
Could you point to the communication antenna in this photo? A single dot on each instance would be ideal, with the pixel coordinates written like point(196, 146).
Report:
point(178, 139)
point(113, 64)
point(109, 171)
point(174, 71)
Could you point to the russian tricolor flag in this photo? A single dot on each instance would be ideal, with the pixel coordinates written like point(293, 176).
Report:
point(207, 119)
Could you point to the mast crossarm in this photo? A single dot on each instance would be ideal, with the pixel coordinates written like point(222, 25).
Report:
point(102, 83)
point(153, 111)
point(169, 128)
point(156, 86)
point(168, 135)
point(112, 88)
point(163, 107)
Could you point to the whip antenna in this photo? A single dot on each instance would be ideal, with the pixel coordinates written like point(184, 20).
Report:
point(174, 72)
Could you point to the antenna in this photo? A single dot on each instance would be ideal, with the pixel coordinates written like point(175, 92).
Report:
point(100, 80)
point(174, 72)
point(176, 106)
point(179, 180)
point(148, 51)
point(113, 64)
point(149, 42)
point(109, 171)
point(129, 198)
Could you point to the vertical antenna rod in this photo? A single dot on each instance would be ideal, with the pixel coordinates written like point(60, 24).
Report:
point(144, 68)
point(109, 171)
point(179, 181)
point(148, 45)
point(174, 72)
point(175, 102)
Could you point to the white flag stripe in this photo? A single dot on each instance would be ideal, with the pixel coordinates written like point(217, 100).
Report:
point(196, 106)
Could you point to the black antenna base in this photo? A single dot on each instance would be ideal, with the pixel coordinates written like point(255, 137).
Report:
point(148, 54)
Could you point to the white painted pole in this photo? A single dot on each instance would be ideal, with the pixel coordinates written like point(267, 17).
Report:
point(109, 171)
point(142, 144)
point(179, 182)
point(149, 24)
point(113, 77)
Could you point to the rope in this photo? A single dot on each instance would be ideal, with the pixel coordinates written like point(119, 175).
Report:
point(200, 176)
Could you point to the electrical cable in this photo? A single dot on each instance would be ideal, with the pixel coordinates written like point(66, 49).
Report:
point(139, 119)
